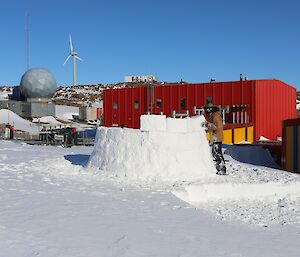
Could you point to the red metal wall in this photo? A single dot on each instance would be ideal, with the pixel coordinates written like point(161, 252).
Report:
point(223, 93)
point(99, 112)
point(268, 102)
point(274, 102)
point(125, 113)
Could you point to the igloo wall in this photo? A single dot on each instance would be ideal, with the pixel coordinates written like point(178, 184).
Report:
point(165, 149)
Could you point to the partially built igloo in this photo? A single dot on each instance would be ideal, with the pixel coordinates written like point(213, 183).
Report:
point(164, 149)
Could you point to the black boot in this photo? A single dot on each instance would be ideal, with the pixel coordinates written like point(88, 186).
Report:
point(221, 170)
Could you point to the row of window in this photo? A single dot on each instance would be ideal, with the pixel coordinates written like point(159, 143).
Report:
point(136, 104)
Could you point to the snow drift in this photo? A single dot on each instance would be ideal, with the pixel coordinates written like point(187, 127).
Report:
point(214, 192)
point(165, 149)
point(7, 116)
point(47, 120)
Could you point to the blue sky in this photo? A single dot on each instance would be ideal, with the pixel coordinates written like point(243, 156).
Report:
point(189, 40)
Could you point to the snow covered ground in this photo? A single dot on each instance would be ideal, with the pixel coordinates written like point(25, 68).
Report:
point(174, 154)
point(252, 194)
point(53, 204)
point(4, 95)
point(47, 120)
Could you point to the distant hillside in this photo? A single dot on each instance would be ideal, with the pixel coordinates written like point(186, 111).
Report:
point(85, 94)
point(6, 88)
point(80, 94)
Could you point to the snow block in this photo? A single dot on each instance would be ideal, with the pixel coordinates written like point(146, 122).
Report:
point(153, 123)
point(194, 124)
point(155, 155)
point(177, 125)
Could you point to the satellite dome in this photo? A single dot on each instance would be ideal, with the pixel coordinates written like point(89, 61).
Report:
point(38, 84)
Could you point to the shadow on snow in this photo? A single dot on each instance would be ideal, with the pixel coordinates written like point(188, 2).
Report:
point(78, 159)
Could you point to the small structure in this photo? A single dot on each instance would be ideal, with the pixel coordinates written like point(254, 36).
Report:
point(140, 79)
point(6, 131)
point(177, 148)
point(91, 112)
point(291, 145)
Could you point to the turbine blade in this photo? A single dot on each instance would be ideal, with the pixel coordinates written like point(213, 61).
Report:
point(78, 58)
point(67, 59)
point(71, 45)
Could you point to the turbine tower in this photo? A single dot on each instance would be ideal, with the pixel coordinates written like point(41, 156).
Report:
point(75, 56)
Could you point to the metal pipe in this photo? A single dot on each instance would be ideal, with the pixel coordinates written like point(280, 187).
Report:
point(174, 114)
point(223, 116)
point(233, 117)
point(148, 102)
point(152, 96)
point(242, 117)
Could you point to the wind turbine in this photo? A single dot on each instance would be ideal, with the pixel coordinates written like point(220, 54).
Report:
point(75, 56)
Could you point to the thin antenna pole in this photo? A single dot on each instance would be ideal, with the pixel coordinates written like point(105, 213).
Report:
point(27, 40)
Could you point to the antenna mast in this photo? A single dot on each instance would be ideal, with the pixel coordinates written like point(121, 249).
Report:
point(27, 40)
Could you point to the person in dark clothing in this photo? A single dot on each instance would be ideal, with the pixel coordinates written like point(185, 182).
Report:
point(215, 129)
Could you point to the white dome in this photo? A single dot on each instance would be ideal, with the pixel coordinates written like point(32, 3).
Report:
point(37, 84)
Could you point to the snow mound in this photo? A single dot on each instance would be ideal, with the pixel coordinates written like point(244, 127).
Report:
point(48, 120)
point(4, 95)
point(7, 116)
point(263, 139)
point(214, 192)
point(154, 155)
point(251, 194)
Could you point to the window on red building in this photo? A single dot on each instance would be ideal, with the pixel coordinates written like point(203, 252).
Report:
point(183, 104)
point(115, 106)
point(158, 103)
point(136, 104)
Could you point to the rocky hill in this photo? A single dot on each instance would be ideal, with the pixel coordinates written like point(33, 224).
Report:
point(85, 94)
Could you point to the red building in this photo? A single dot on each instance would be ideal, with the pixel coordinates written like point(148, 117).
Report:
point(262, 103)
